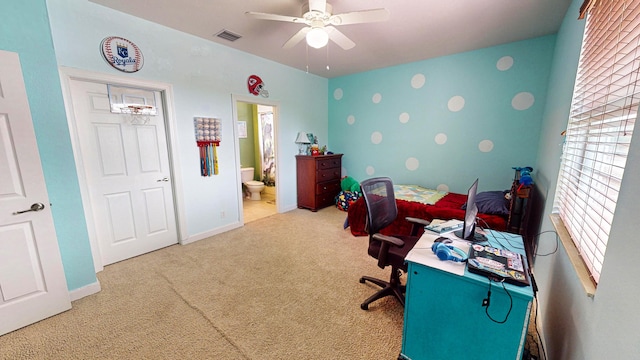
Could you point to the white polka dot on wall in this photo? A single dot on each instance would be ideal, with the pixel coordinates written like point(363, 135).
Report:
point(370, 170)
point(456, 103)
point(377, 97)
point(505, 63)
point(523, 101)
point(417, 81)
point(441, 139)
point(485, 145)
point(376, 137)
point(443, 187)
point(337, 94)
point(412, 164)
point(404, 118)
point(351, 119)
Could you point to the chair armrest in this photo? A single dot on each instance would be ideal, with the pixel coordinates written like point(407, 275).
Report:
point(389, 239)
point(422, 222)
point(417, 224)
point(385, 242)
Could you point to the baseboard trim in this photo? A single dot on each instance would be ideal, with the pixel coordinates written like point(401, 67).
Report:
point(207, 234)
point(289, 208)
point(87, 290)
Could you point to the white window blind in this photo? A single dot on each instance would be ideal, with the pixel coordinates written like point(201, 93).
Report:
point(603, 114)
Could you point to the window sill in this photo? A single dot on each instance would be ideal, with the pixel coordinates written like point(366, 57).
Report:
point(574, 256)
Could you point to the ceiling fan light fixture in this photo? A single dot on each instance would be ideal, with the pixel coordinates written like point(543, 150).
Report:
point(317, 38)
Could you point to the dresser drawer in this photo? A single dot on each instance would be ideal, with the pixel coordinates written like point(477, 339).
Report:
point(328, 187)
point(328, 174)
point(324, 200)
point(328, 163)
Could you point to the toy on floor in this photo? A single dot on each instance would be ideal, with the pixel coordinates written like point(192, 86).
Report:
point(350, 193)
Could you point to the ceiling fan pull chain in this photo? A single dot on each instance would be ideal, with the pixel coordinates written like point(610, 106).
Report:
point(307, 55)
point(327, 57)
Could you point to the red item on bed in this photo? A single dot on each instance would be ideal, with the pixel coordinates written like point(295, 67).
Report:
point(449, 207)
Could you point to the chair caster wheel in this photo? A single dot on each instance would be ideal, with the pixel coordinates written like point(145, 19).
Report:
point(361, 280)
point(364, 306)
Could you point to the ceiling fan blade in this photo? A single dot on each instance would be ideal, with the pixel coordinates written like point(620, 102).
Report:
point(358, 17)
point(265, 16)
point(296, 38)
point(339, 38)
point(318, 5)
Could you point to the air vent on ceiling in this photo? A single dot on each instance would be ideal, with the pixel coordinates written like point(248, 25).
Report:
point(228, 35)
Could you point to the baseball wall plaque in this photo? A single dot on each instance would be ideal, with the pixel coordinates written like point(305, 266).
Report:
point(122, 54)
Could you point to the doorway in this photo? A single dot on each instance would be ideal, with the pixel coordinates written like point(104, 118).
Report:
point(256, 133)
point(127, 169)
point(32, 281)
point(149, 211)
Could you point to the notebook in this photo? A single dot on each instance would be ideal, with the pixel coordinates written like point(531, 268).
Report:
point(498, 263)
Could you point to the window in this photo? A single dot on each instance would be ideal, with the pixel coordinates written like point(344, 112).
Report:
point(602, 118)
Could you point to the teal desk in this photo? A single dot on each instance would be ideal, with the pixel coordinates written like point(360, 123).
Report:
point(444, 317)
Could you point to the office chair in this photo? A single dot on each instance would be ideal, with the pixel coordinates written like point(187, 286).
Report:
point(389, 250)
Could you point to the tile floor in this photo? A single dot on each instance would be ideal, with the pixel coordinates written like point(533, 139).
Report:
point(254, 209)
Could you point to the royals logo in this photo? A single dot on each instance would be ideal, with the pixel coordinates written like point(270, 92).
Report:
point(115, 51)
point(123, 50)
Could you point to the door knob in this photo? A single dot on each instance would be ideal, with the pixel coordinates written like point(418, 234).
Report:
point(163, 180)
point(34, 207)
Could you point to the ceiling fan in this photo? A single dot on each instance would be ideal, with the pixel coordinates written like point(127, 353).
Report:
point(316, 14)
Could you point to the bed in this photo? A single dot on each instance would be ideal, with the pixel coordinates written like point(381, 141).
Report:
point(428, 204)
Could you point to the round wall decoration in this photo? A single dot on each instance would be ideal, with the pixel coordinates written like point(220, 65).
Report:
point(122, 54)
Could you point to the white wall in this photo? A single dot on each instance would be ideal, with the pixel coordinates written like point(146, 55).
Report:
point(204, 76)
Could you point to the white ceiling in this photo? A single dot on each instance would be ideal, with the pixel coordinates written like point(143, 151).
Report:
point(417, 29)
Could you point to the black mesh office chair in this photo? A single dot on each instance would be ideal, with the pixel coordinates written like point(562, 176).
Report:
point(389, 250)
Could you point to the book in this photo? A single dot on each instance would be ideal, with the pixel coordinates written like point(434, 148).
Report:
point(444, 226)
point(500, 264)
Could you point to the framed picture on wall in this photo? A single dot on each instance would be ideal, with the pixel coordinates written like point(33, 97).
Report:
point(242, 129)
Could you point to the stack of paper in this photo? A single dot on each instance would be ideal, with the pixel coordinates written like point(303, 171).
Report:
point(444, 226)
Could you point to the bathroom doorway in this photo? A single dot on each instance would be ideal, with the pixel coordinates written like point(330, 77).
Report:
point(256, 131)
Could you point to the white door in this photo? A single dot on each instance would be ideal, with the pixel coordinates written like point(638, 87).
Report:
point(32, 280)
point(127, 170)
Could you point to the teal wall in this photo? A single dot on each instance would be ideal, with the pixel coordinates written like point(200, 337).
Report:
point(404, 121)
point(577, 327)
point(24, 29)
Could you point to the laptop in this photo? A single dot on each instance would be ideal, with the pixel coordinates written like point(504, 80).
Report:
point(498, 264)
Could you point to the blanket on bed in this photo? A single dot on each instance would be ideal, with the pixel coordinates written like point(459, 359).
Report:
point(448, 207)
point(418, 194)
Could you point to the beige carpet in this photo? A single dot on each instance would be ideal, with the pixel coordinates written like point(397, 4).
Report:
point(283, 287)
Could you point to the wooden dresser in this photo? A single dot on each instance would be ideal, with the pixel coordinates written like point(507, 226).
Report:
point(318, 180)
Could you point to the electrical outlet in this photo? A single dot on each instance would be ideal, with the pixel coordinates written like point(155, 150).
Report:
point(222, 214)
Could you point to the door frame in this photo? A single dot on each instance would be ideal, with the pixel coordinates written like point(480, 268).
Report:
point(166, 91)
point(236, 144)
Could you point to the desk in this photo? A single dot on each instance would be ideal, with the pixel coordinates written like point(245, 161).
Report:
point(444, 317)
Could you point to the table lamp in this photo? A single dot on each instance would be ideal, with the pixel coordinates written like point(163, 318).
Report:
point(303, 141)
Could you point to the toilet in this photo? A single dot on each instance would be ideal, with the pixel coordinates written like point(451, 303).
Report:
point(254, 187)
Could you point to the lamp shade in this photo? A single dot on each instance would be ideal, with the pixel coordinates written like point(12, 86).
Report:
point(302, 138)
point(317, 37)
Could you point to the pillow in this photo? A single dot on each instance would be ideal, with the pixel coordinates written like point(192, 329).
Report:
point(492, 202)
